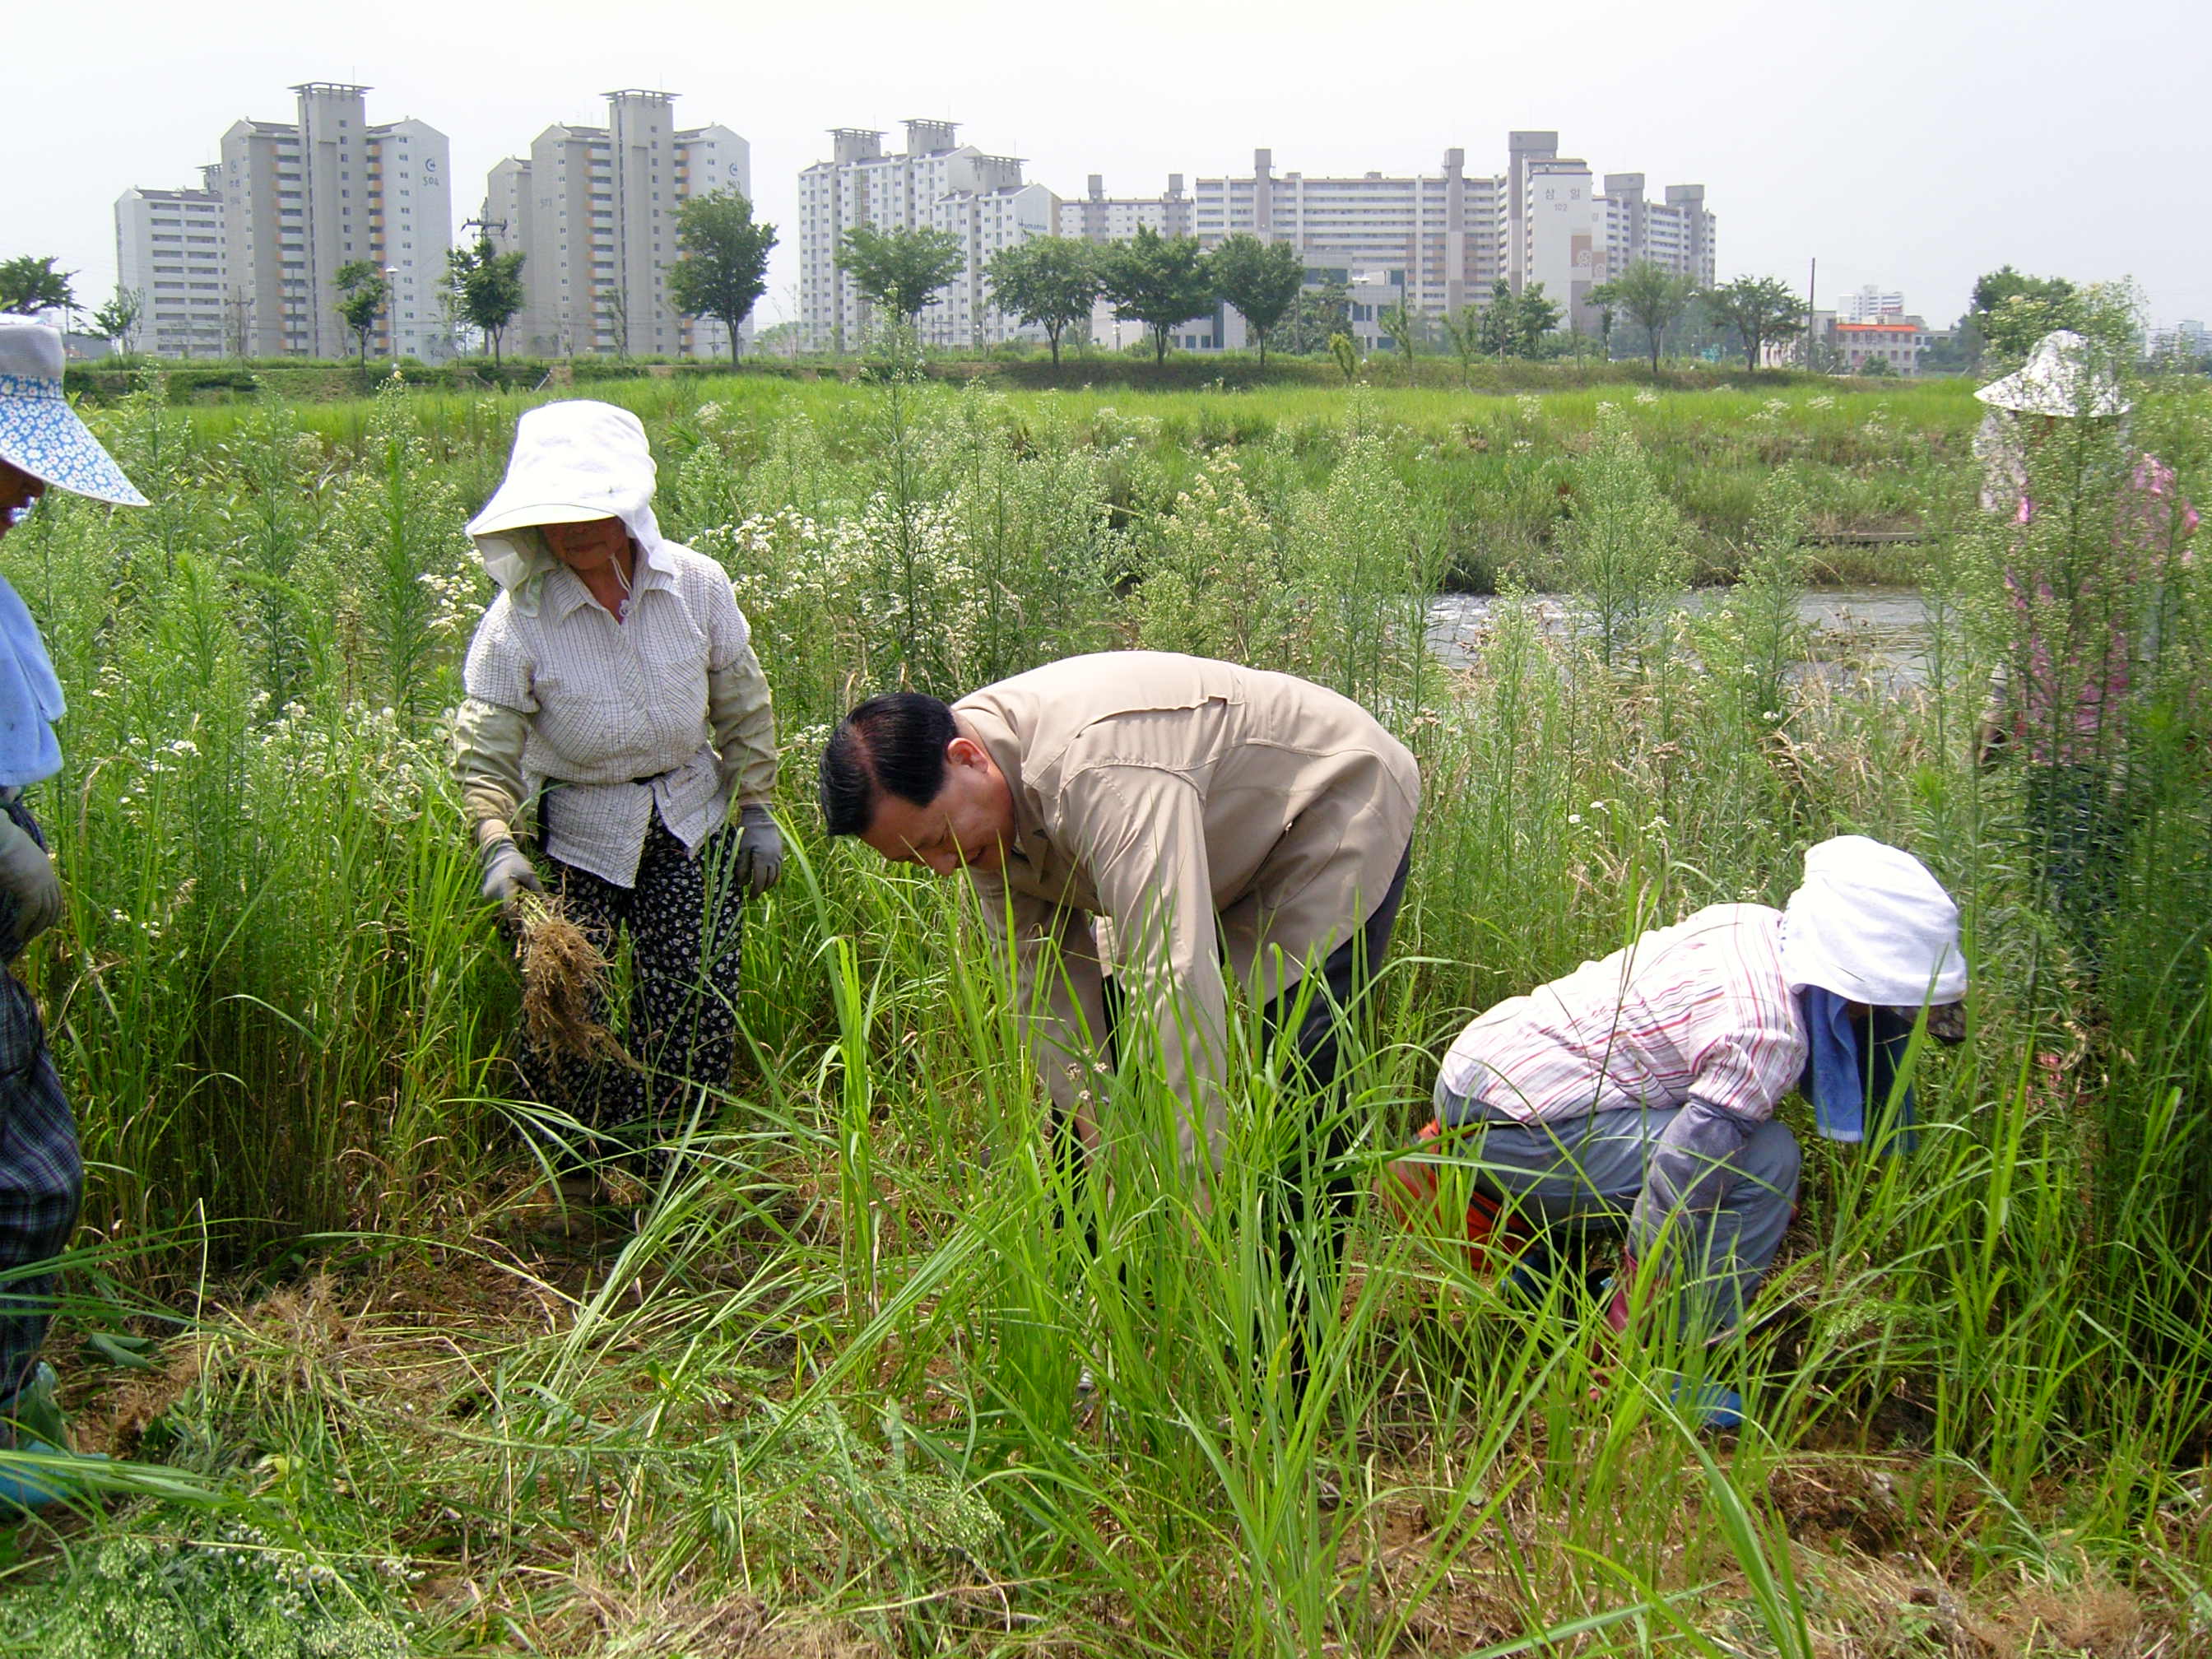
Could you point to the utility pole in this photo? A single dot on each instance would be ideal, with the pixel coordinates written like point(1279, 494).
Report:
point(1811, 285)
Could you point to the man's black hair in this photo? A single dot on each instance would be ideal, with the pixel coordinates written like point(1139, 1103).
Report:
point(893, 744)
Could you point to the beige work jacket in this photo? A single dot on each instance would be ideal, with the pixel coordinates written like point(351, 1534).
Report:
point(1213, 812)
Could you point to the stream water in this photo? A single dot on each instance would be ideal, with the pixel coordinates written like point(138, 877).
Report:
point(1882, 631)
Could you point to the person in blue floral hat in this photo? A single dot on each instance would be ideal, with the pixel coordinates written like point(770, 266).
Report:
point(42, 444)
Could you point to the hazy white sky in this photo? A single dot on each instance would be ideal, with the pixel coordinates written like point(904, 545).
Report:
point(1908, 146)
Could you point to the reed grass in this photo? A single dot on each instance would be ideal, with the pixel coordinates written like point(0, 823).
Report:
point(820, 1393)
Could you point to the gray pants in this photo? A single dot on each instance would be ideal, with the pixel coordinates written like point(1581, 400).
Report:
point(1585, 1172)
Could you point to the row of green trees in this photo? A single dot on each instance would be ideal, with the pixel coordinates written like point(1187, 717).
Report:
point(1053, 281)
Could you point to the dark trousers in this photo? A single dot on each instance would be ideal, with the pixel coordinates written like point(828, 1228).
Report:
point(41, 1176)
point(1319, 1164)
point(685, 917)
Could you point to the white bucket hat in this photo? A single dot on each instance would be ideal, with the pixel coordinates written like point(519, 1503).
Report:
point(2060, 377)
point(1871, 925)
point(572, 461)
point(39, 432)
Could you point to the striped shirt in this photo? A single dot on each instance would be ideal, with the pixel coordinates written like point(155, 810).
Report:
point(1698, 1009)
point(617, 712)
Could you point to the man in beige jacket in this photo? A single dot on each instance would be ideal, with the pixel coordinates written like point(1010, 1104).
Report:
point(1216, 815)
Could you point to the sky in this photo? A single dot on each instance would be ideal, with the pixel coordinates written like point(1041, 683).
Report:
point(1910, 147)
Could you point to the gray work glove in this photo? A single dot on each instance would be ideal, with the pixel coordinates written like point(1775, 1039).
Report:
point(508, 873)
point(760, 850)
point(1691, 1166)
point(30, 891)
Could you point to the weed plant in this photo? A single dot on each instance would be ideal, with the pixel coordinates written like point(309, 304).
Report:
point(822, 1394)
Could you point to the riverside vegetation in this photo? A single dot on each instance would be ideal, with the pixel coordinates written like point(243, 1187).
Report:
point(824, 1399)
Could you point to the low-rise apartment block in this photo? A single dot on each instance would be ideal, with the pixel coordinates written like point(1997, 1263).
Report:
point(594, 211)
point(1896, 341)
point(936, 182)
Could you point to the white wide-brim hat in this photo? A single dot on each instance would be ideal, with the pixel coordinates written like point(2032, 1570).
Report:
point(2060, 377)
point(39, 432)
point(1872, 924)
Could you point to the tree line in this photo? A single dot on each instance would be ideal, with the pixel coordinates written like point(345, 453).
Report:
point(1053, 282)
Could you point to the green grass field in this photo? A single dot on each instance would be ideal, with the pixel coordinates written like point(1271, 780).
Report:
point(366, 1398)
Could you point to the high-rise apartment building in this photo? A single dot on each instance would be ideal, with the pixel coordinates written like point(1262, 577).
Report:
point(303, 199)
point(1095, 216)
point(1871, 304)
point(1676, 234)
point(938, 183)
point(1437, 231)
point(1562, 231)
point(594, 211)
point(169, 252)
point(1444, 241)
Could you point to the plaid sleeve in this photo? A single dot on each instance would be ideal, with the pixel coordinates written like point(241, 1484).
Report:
point(1746, 1050)
point(498, 669)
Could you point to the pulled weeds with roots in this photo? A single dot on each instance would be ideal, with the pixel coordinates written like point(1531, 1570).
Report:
point(564, 981)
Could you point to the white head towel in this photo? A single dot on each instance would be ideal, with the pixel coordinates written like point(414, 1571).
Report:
point(1871, 925)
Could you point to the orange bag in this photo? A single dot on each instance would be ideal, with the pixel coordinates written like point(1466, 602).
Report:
point(1493, 1234)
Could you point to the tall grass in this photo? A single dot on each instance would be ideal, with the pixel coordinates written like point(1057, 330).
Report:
point(826, 1390)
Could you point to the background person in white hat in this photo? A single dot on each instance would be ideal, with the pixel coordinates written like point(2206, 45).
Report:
point(42, 444)
point(613, 683)
point(2087, 582)
point(1638, 1093)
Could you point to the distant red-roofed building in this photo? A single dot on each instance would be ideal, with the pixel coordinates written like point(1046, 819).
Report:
point(1897, 342)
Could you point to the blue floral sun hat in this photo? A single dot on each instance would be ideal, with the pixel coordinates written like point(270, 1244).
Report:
point(39, 432)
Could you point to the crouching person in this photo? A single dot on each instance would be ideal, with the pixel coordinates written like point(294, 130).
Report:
point(1637, 1094)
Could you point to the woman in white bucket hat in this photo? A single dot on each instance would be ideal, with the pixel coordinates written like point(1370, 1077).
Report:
point(2086, 587)
point(42, 444)
point(613, 684)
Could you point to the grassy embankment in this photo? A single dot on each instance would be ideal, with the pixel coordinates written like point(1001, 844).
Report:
point(822, 1398)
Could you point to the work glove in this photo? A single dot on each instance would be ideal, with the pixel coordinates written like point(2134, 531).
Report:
point(508, 873)
point(30, 891)
point(760, 850)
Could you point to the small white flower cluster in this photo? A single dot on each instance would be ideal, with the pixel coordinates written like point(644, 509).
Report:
point(1646, 396)
point(856, 585)
point(460, 594)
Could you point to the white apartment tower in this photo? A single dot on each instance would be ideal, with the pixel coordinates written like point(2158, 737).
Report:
point(302, 200)
point(1437, 232)
point(1097, 217)
point(1562, 233)
point(1441, 242)
point(594, 211)
point(169, 252)
point(1675, 234)
point(936, 183)
point(1559, 231)
point(1871, 304)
